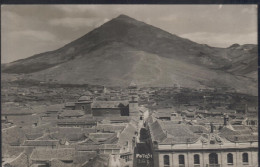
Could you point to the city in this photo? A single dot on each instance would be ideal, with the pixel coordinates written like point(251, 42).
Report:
point(132, 126)
point(98, 85)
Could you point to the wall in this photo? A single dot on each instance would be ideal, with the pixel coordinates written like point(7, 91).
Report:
point(106, 112)
point(204, 158)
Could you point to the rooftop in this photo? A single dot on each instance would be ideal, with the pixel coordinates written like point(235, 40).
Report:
point(109, 104)
point(49, 154)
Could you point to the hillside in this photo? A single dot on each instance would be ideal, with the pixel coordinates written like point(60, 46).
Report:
point(125, 49)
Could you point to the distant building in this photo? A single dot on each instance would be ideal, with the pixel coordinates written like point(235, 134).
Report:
point(110, 108)
point(84, 104)
point(133, 100)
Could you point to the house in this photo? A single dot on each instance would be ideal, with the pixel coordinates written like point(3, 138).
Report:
point(110, 108)
point(84, 104)
point(101, 160)
point(41, 143)
point(110, 128)
point(70, 106)
point(43, 156)
point(71, 114)
point(127, 143)
point(77, 122)
point(52, 111)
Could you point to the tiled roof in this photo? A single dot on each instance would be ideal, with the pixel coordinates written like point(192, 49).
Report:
point(84, 98)
point(217, 120)
point(16, 111)
point(49, 154)
point(179, 132)
point(101, 136)
point(83, 156)
point(150, 119)
point(11, 151)
point(179, 140)
point(216, 111)
point(242, 138)
point(70, 104)
point(33, 136)
point(109, 104)
point(91, 147)
point(54, 108)
point(167, 132)
point(110, 128)
point(165, 110)
point(157, 132)
point(88, 130)
point(127, 134)
point(76, 121)
point(101, 160)
point(20, 161)
point(41, 143)
point(72, 130)
point(112, 140)
point(58, 163)
point(71, 113)
point(72, 136)
point(240, 133)
point(228, 132)
point(119, 118)
point(13, 135)
point(162, 114)
point(109, 146)
point(198, 129)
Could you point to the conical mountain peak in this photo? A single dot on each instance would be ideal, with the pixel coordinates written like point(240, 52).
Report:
point(123, 16)
point(125, 49)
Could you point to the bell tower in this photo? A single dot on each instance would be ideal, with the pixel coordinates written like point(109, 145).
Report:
point(133, 100)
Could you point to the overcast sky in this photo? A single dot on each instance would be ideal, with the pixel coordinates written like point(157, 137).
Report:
point(32, 29)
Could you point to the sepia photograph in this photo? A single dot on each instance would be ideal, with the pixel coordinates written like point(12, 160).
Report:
point(129, 85)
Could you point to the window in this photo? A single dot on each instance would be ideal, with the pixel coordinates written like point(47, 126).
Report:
point(82, 107)
point(245, 158)
point(196, 159)
point(230, 158)
point(181, 160)
point(166, 160)
point(213, 158)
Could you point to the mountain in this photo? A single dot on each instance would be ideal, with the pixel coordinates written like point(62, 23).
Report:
point(124, 49)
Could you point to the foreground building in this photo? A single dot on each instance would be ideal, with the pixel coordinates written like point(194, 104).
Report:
point(181, 145)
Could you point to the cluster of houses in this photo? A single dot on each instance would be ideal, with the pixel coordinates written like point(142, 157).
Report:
point(103, 129)
point(84, 133)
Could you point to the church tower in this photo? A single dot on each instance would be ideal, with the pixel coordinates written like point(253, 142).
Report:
point(133, 100)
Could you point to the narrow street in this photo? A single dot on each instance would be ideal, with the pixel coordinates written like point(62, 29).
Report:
point(142, 152)
point(142, 156)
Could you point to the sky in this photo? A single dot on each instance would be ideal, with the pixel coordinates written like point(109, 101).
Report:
point(27, 30)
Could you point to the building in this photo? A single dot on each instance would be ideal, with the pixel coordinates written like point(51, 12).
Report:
point(84, 104)
point(110, 108)
point(177, 145)
point(133, 100)
point(77, 122)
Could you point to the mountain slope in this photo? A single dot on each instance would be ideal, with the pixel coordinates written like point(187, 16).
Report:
point(125, 49)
